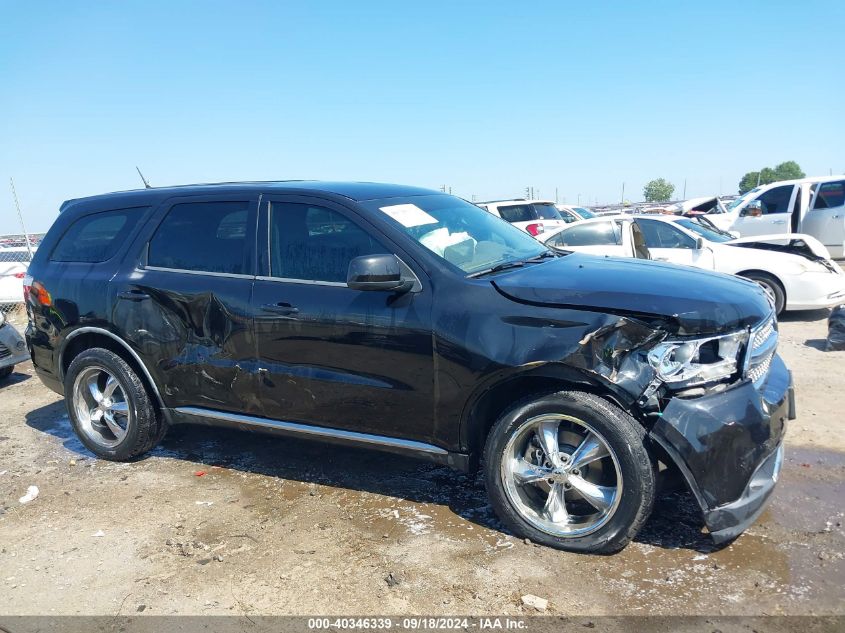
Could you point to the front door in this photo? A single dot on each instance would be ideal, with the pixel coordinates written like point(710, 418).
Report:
point(825, 219)
point(330, 355)
point(772, 217)
point(667, 243)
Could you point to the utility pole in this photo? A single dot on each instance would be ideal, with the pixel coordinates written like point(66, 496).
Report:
point(579, 199)
point(20, 217)
point(556, 198)
point(685, 188)
point(623, 192)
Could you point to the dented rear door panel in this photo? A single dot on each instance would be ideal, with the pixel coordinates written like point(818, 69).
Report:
point(193, 330)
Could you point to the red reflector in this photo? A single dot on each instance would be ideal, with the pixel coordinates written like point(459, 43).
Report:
point(20, 275)
point(534, 229)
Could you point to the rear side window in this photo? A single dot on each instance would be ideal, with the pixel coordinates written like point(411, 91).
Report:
point(518, 213)
point(204, 237)
point(831, 194)
point(96, 237)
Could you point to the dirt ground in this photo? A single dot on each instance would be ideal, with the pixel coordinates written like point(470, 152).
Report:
point(279, 526)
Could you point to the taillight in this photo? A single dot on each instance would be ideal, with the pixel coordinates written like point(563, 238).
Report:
point(535, 229)
point(20, 275)
point(36, 291)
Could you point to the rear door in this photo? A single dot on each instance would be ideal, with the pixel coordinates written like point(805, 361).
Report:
point(825, 219)
point(773, 216)
point(183, 301)
point(330, 355)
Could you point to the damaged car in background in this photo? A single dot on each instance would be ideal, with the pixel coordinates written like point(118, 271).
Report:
point(412, 321)
point(12, 348)
point(796, 271)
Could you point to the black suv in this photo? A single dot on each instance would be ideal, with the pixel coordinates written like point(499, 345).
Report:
point(413, 321)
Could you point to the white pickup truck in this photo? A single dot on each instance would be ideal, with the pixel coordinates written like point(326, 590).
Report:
point(813, 206)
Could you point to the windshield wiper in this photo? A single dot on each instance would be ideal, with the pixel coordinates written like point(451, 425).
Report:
point(517, 263)
point(542, 256)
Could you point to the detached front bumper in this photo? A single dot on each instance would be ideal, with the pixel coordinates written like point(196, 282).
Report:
point(729, 447)
point(12, 347)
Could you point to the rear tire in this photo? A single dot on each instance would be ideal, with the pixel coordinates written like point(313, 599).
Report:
point(109, 407)
point(594, 496)
point(771, 286)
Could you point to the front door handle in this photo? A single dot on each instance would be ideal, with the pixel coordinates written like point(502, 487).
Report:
point(778, 221)
point(285, 309)
point(133, 295)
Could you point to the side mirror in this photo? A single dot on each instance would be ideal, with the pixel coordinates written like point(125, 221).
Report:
point(699, 243)
point(376, 272)
point(753, 209)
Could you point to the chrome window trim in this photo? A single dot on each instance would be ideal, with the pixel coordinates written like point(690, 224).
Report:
point(312, 282)
point(315, 431)
point(197, 272)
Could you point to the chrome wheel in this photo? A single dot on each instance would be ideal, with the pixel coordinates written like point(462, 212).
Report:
point(561, 475)
point(102, 411)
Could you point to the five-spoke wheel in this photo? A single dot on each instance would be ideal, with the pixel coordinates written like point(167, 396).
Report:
point(101, 407)
point(562, 475)
point(570, 470)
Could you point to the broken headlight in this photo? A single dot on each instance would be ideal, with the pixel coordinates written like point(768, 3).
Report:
point(697, 361)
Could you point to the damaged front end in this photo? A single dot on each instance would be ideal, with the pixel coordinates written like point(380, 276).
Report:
point(716, 406)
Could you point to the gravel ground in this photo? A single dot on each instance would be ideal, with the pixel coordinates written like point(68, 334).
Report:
point(221, 522)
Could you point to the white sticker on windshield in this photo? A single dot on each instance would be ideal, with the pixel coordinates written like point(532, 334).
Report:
point(409, 215)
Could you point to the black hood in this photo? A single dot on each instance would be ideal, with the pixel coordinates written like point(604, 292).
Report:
point(695, 301)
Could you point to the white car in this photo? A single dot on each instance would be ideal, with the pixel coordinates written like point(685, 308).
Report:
point(812, 206)
point(14, 263)
point(572, 214)
point(535, 217)
point(795, 270)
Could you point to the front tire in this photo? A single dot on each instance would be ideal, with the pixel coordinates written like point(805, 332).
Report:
point(6, 372)
point(109, 407)
point(571, 471)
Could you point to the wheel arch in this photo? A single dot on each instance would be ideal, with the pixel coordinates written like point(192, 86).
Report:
point(487, 404)
point(765, 273)
point(87, 337)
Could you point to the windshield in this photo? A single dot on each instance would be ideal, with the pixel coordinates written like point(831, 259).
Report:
point(585, 213)
point(708, 233)
point(741, 200)
point(461, 233)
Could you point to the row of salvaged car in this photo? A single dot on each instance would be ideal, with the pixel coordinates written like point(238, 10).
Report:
point(795, 269)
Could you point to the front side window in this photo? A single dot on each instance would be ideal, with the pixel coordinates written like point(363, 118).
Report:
point(313, 243)
point(457, 231)
point(206, 237)
point(776, 200)
point(663, 235)
point(831, 194)
point(593, 234)
point(97, 237)
point(585, 213)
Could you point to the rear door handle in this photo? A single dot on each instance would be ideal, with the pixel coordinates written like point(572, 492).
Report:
point(778, 221)
point(285, 309)
point(133, 295)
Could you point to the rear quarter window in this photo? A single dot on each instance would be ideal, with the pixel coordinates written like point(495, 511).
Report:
point(96, 237)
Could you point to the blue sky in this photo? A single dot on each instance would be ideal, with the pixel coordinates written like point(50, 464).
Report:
point(485, 97)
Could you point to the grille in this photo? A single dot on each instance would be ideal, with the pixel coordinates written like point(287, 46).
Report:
point(764, 341)
point(757, 372)
point(4, 351)
point(763, 334)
